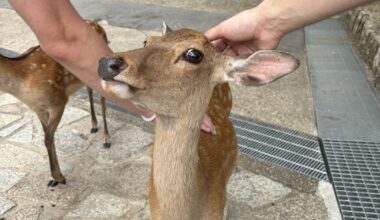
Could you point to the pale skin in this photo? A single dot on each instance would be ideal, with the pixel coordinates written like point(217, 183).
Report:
point(263, 27)
point(65, 36)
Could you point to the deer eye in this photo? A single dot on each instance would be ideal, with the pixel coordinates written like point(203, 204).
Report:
point(193, 56)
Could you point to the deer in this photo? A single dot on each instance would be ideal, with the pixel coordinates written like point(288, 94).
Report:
point(45, 86)
point(181, 77)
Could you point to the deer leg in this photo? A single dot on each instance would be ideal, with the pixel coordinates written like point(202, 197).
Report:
point(50, 123)
point(94, 122)
point(216, 202)
point(54, 119)
point(107, 143)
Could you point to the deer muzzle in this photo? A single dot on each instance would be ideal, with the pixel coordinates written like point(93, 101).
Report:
point(109, 67)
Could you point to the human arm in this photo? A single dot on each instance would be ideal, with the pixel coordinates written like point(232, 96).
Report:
point(263, 27)
point(66, 37)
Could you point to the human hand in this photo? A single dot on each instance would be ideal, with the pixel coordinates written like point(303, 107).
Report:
point(207, 125)
point(244, 34)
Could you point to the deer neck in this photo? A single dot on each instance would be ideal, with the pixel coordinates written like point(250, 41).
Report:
point(175, 164)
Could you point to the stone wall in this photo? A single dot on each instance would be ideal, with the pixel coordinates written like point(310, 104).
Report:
point(363, 25)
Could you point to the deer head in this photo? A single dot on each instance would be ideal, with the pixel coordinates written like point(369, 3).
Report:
point(174, 74)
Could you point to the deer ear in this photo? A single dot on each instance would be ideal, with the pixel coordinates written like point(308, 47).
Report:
point(260, 68)
point(165, 28)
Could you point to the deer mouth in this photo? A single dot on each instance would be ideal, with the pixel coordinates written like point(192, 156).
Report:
point(119, 88)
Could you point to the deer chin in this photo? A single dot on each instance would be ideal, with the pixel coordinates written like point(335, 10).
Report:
point(120, 89)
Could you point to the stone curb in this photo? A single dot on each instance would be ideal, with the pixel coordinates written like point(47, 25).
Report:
point(359, 23)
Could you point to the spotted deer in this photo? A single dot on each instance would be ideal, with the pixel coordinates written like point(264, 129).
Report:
point(44, 86)
point(181, 77)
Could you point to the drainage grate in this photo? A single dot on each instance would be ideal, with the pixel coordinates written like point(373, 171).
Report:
point(284, 147)
point(280, 146)
point(355, 172)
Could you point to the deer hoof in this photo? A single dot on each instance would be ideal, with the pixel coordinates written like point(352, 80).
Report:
point(94, 130)
point(53, 183)
point(107, 145)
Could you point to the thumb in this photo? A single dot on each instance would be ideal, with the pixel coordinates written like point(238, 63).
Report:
point(214, 33)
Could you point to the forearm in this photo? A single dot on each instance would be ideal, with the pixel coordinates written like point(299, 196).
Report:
point(66, 37)
point(287, 15)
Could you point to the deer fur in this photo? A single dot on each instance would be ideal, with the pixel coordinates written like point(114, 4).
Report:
point(44, 86)
point(181, 77)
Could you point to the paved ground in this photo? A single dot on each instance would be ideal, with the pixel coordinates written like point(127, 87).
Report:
point(112, 183)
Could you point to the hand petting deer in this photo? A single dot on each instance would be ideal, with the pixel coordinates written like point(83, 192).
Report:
point(181, 77)
point(44, 86)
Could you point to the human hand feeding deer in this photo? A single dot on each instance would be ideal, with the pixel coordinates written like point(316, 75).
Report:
point(181, 76)
point(262, 27)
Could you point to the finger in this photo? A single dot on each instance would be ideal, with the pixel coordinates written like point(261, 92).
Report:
point(214, 33)
point(220, 45)
point(223, 47)
point(213, 130)
point(209, 129)
point(232, 53)
point(208, 126)
point(206, 122)
point(240, 48)
point(205, 128)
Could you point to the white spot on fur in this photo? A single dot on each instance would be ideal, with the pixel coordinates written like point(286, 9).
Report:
point(32, 66)
point(43, 65)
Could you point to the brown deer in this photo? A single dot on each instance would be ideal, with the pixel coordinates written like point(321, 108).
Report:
point(44, 86)
point(180, 76)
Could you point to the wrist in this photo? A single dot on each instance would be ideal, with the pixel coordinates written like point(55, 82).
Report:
point(269, 20)
point(266, 27)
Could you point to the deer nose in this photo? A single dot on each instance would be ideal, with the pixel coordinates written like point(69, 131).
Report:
point(109, 67)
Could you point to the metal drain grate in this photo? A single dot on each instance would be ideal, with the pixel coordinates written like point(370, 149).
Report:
point(284, 147)
point(280, 146)
point(355, 172)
